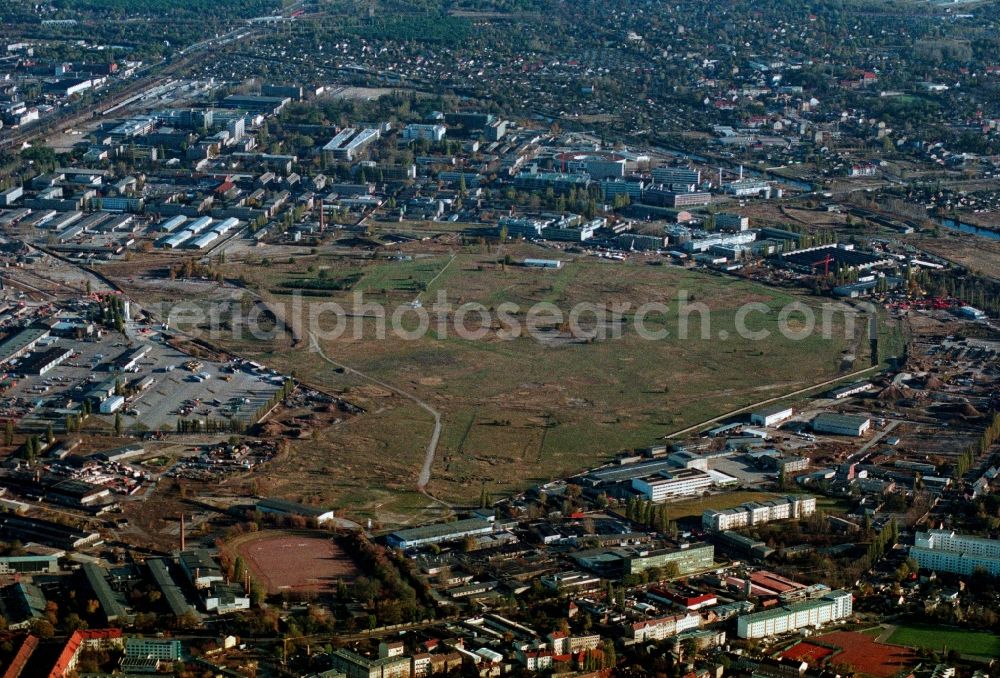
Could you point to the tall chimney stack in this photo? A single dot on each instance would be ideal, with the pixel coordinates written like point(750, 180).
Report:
point(182, 532)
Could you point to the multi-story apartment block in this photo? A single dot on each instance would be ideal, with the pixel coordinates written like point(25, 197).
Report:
point(948, 551)
point(806, 614)
point(758, 513)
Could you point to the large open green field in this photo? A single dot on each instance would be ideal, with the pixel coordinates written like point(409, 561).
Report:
point(518, 411)
point(942, 638)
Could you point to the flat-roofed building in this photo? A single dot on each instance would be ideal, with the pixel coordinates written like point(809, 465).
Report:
point(354, 665)
point(674, 483)
point(841, 424)
point(41, 362)
point(439, 532)
point(349, 143)
point(200, 568)
point(949, 551)
point(256, 104)
point(291, 508)
point(771, 416)
point(663, 627)
point(21, 342)
point(29, 564)
point(111, 606)
point(833, 606)
point(159, 570)
point(688, 558)
point(758, 513)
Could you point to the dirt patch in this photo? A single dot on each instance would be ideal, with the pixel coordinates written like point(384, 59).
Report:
point(283, 561)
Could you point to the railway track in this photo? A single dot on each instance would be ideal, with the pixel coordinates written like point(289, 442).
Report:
point(158, 75)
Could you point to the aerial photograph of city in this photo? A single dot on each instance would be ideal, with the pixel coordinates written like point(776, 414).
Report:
point(482, 338)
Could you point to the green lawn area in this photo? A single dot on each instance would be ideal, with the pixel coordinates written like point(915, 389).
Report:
point(521, 411)
point(939, 638)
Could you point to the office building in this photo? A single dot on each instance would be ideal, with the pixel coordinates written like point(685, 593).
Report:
point(676, 176)
point(256, 104)
point(673, 483)
point(348, 145)
point(663, 196)
point(415, 131)
point(164, 649)
point(689, 558)
point(727, 221)
point(771, 416)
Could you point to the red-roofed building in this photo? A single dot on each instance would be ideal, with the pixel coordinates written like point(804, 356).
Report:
point(90, 639)
point(689, 601)
point(17, 664)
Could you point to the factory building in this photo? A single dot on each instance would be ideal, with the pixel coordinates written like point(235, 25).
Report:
point(111, 606)
point(13, 347)
point(290, 508)
point(159, 569)
point(24, 529)
point(439, 532)
point(841, 424)
point(200, 568)
point(41, 362)
point(256, 104)
point(597, 165)
point(771, 416)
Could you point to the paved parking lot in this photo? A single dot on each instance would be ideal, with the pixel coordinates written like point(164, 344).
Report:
point(211, 391)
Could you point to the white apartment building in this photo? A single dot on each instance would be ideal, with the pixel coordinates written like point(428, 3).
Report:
point(664, 627)
point(421, 131)
point(948, 551)
point(806, 614)
point(758, 513)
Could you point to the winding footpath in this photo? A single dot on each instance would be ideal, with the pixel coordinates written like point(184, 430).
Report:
point(425, 471)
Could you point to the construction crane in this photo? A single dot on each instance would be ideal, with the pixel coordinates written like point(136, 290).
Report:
point(825, 263)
